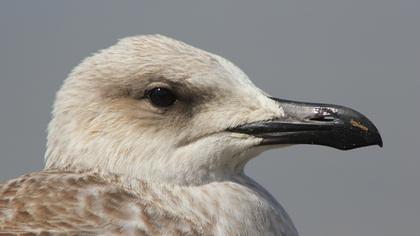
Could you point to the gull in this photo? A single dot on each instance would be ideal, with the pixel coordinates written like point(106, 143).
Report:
point(151, 137)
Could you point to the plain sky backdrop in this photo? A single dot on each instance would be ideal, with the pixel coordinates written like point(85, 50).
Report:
point(364, 54)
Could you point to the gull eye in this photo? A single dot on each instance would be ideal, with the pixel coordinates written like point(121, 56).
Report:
point(161, 97)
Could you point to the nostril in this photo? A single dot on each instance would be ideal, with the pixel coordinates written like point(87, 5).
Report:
point(327, 118)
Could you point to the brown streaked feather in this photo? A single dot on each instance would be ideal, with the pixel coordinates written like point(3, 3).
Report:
point(66, 203)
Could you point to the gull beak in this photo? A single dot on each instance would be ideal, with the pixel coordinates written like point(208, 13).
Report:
point(311, 123)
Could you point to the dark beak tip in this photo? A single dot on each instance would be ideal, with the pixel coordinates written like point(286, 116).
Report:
point(374, 139)
point(362, 122)
point(376, 136)
point(379, 142)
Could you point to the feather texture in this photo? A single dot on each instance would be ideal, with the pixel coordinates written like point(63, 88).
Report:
point(54, 202)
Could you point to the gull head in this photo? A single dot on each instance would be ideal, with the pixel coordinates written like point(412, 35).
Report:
point(154, 108)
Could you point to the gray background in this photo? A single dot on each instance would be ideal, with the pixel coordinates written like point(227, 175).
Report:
point(362, 53)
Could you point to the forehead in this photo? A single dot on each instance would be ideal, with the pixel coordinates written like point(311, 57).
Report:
point(157, 49)
point(163, 54)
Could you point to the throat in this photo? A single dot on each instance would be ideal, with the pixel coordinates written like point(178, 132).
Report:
point(178, 168)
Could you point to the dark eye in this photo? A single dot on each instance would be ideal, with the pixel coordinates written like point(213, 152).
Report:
point(161, 97)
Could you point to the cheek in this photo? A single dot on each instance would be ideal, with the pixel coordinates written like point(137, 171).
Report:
point(220, 118)
point(215, 150)
point(138, 112)
point(220, 146)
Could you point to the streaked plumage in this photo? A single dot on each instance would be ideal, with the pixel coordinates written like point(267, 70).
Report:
point(68, 203)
